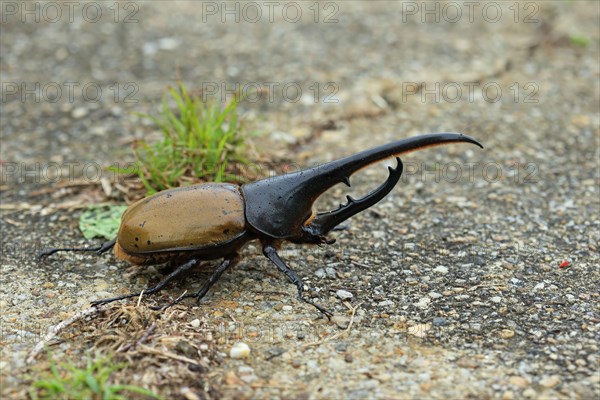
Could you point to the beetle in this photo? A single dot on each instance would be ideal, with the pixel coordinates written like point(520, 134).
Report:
point(215, 220)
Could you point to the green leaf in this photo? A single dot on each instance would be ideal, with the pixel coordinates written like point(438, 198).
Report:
point(101, 221)
point(579, 40)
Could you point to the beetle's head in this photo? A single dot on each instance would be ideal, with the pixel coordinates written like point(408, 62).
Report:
point(281, 207)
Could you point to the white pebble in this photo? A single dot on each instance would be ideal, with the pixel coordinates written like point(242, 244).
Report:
point(79, 112)
point(344, 295)
point(423, 302)
point(496, 299)
point(239, 350)
point(441, 269)
point(195, 323)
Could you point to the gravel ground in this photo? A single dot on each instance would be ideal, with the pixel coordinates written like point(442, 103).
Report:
point(477, 277)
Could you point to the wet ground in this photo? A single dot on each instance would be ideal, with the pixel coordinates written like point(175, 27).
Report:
point(477, 277)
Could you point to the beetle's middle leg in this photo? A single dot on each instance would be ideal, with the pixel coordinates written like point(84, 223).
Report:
point(271, 253)
point(181, 269)
point(227, 263)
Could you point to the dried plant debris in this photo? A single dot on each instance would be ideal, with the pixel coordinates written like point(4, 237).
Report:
point(159, 352)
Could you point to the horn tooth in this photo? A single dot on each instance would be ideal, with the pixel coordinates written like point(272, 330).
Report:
point(346, 181)
point(350, 199)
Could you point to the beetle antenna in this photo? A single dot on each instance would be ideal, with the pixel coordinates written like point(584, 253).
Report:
point(104, 247)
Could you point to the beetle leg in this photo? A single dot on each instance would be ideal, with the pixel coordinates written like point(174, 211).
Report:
point(271, 253)
point(99, 250)
point(326, 221)
point(181, 269)
point(212, 279)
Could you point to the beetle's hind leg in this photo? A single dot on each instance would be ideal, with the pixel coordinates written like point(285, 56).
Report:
point(181, 269)
point(104, 247)
point(271, 253)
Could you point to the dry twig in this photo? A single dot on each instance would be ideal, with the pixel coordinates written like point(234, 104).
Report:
point(56, 329)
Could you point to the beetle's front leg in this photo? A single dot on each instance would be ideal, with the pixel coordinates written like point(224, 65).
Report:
point(271, 253)
point(181, 269)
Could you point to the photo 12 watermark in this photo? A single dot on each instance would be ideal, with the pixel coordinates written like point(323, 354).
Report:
point(69, 92)
point(253, 12)
point(469, 172)
point(271, 92)
point(471, 92)
point(52, 12)
point(492, 12)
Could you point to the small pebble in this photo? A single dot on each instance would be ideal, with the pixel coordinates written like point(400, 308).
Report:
point(344, 295)
point(232, 379)
point(341, 321)
point(186, 349)
point(312, 365)
point(496, 299)
point(341, 347)
point(330, 271)
point(507, 333)
point(423, 302)
point(195, 323)
point(467, 362)
point(79, 112)
point(518, 381)
point(441, 269)
point(550, 381)
point(239, 350)
point(419, 330)
point(508, 395)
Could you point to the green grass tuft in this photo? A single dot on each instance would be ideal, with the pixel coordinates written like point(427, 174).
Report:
point(68, 381)
point(199, 142)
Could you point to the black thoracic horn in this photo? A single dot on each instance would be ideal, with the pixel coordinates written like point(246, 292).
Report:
point(279, 206)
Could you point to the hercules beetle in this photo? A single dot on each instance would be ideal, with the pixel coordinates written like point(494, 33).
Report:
point(214, 220)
